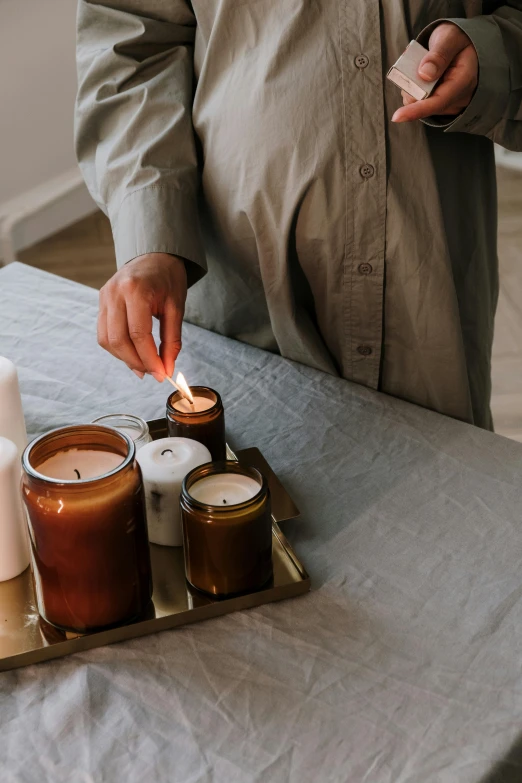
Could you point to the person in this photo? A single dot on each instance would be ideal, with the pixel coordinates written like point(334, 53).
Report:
point(253, 151)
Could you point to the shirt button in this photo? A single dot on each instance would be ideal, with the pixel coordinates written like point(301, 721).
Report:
point(367, 171)
point(362, 61)
point(364, 350)
point(365, 269)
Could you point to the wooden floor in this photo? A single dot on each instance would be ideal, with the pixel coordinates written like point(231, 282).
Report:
point(507, 348)
point(84, 253)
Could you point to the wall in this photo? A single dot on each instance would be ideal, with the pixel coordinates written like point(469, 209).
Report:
point(37, 90)
point(41, 189)
point(510, 160)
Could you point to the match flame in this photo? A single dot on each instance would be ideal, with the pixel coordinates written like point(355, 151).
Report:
point(184, 387)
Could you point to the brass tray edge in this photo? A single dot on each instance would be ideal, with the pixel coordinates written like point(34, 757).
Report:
point(301, 570)
point(156, 625)
point(278, 533)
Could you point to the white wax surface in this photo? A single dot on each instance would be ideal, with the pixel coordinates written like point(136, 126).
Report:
point(224, 489)
point(90, 463)
point(164, 464)
point(12, 424)
point(14, 549)
point(200, 404)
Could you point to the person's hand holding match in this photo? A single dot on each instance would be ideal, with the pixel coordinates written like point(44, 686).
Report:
point(151, 285)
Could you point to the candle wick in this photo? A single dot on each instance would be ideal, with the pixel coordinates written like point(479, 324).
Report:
point(224, 501)
point(77, 473)
point(165, 451)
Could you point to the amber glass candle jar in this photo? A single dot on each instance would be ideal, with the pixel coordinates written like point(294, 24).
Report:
point(204, 421)
point(83, 493)
point(227, 528)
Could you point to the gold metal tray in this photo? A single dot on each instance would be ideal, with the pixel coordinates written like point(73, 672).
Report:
point(25, 639)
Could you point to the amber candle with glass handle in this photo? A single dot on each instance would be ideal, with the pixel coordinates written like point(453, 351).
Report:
point(83, 493)
point(227, 528)
point(204, 421)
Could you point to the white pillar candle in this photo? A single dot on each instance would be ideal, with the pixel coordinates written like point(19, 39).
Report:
point(164, 464)
point(12, 423)
point(200, 404)
point(76, 464)
point(224, 489)
point(14, 549)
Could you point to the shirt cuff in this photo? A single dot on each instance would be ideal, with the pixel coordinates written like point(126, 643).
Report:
point(491, 97)
point(159, 219)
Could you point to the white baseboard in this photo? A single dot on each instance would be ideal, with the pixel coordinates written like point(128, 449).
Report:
point(41, 212)
point(508, 159)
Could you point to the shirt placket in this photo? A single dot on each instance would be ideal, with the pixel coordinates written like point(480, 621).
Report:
point(363, 291)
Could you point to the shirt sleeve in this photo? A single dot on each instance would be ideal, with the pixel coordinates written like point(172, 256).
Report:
point(495, 110)
point(133, 125)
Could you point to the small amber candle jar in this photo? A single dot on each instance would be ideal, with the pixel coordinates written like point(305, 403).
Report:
point(88, 532)
point(206, 426)
point(227, 544)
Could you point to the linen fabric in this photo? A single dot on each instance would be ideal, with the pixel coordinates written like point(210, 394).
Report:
point(403, 663)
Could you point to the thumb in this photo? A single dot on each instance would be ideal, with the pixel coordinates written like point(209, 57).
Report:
point(446, 42)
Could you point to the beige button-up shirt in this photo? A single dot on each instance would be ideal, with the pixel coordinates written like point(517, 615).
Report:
point(253, 138)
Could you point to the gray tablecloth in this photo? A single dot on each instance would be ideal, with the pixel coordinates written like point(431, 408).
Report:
point(404, 663)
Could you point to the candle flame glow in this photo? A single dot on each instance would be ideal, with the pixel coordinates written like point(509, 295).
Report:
point(184, 387)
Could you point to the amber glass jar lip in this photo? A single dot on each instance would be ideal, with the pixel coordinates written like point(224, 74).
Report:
point(77, 428)
point(225, 466)
point(191, 414)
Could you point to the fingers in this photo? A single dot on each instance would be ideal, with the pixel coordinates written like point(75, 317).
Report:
point(448, 99)
point(139, 320)
point(101, 329)
point(152, 285)
point(407, 99)
point(113, 334)
point(170, 334)
point(446, 42)
point(452, 56)
point(119, 342)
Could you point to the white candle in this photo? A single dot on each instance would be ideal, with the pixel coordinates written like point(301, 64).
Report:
point(224, 489)
point(164, 464)
point(76, 464)
point(12, 424)
point(200, 404)
point(14, 550)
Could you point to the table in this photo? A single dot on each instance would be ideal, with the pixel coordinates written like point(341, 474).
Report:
point(402, 665)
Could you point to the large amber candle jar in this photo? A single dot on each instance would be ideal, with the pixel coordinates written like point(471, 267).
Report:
point(203, 421)
point(83, 493)
point(227, 528)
